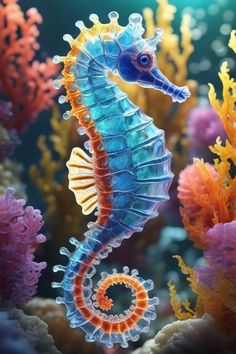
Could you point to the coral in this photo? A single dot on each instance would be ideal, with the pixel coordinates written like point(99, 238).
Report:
point(52, 181)
point(226, 108)
point(206, 201)
point(67, 340)
point(209, 214)
point(34, 331)
point(210, 198)
point(12, 339)
point(25, 81)
point(204, 127)
point(220, 255)
point(10, 172)
point(19, 239)
point(218, 301)
point(195, 336)
point(9, 138)
point(173, 61)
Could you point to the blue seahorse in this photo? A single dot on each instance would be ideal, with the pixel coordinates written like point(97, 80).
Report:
point(126, 176)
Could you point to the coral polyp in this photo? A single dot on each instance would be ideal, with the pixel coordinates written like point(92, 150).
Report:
point(125, 174)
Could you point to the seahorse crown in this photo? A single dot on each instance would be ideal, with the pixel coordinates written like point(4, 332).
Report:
point(126, 178)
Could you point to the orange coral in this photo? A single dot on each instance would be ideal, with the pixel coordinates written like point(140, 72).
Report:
point(206, 199)
point(25, 81)
point(219, 302)
point(210, 198)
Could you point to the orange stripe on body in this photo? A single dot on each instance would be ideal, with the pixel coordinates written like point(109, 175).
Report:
point(80, 112)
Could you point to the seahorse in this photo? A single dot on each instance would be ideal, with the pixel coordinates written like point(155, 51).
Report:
point(125, 175)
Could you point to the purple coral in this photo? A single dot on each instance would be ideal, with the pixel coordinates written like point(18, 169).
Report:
point(9, 138)
point(19, 238)
point(204, 126)
point(220, 254)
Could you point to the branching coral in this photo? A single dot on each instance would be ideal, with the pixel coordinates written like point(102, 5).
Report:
point(206, 201)
point(9, 138)
point(19, 239)
point(51, 179)
point(218, 183)
point(10, 172)
point(208, 195)
point(25, 81)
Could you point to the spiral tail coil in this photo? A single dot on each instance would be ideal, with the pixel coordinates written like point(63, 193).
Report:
point(88, 311)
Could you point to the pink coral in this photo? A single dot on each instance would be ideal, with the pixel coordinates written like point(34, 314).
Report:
point(25, 81)
point(220, 255)
point(204, 126)
point(19, 238)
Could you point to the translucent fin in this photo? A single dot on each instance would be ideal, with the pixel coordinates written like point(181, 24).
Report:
point(82, 180)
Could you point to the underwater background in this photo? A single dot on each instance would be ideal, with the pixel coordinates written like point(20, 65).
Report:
point(189, 250)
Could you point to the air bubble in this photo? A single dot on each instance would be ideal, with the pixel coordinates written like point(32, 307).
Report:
point(225, 29)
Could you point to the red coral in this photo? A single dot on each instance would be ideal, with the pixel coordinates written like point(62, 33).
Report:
point(25, 81)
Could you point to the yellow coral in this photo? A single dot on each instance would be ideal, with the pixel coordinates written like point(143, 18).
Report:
point(63, 214)
point(219, 302)
point(207, 200)
point(213, 200)
point(218, 202)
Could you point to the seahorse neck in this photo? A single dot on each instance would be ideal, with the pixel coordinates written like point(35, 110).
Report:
point(102, 96)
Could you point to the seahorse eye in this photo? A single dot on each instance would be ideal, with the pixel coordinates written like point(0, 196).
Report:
point(144, 60)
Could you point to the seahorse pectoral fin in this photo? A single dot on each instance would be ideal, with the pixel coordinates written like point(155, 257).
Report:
point(82, 180)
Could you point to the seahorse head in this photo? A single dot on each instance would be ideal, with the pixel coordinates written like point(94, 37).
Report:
point(137, 61)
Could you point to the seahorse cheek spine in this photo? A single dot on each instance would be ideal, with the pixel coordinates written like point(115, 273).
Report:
point(126, 177)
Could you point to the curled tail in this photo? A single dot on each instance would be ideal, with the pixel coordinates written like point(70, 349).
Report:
point(87, 309)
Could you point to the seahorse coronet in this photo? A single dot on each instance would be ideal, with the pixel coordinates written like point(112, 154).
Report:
point(126, 177)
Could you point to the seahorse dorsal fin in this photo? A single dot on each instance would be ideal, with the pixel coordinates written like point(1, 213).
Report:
point(82, 180)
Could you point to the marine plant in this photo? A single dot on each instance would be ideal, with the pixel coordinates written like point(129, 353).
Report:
point(9, 138)
point(19, 239)
point(25, 81)
point(51, 180)
point(126, 178)
point(209, 214)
